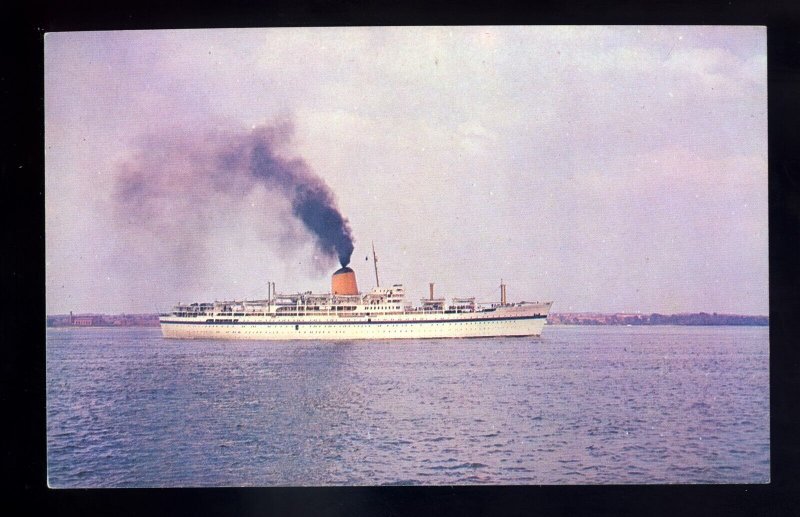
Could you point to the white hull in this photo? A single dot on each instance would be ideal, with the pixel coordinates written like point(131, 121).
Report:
point(518, 320)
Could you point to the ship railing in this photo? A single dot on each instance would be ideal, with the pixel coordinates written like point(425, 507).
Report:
point(429, 310)
point(346, 297)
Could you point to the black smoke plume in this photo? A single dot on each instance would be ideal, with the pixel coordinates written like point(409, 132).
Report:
point(177, 184)
point(312, 200)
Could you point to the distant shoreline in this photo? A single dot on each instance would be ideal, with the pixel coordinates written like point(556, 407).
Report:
point(566, 318)
point(102, 320)
point(688, 319)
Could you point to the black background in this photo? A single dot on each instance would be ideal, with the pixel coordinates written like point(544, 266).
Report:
point(22, 338)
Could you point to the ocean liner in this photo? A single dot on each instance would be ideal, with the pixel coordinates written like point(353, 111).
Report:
point(347, 314)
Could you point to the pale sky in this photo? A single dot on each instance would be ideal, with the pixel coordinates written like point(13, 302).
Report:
point(610, 169)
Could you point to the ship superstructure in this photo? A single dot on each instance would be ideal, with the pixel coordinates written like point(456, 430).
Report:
point(345, 314)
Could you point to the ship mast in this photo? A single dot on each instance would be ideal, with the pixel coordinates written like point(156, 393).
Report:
point(375, 262)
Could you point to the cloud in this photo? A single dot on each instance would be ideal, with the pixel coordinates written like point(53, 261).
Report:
point(467, 153)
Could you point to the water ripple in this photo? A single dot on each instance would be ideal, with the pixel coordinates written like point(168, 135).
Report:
point(580, 405)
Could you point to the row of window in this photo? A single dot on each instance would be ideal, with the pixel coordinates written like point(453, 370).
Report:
point(329, 331)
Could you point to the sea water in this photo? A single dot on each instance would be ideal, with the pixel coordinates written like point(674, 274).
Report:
point(580, 405)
